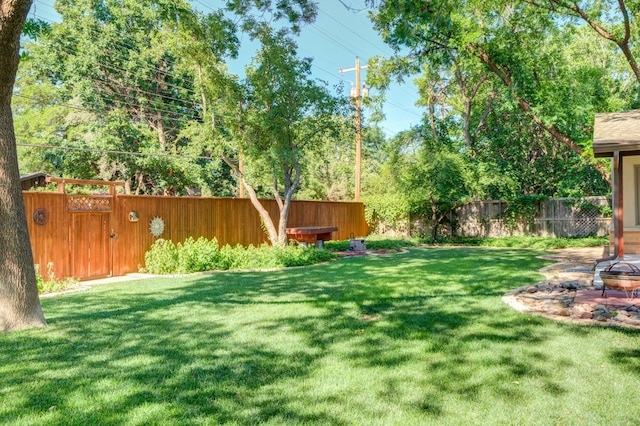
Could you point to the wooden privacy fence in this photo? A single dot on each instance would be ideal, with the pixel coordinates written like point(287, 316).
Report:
point(559, 217)
point(96, 236)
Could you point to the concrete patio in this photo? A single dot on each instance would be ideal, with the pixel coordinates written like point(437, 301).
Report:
point(633, 259)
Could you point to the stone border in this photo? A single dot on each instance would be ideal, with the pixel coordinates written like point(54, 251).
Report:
point(569, 279)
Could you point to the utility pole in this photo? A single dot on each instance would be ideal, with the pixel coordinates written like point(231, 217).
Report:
point(355, 94)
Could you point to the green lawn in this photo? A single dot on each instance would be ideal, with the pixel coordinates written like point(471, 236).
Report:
point(407, 339)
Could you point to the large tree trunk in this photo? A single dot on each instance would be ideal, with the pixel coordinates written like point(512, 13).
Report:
point(19, 302)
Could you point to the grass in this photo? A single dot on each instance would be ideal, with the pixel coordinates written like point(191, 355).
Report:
point(530, 242)
point(413, 338)
point(374, 242)
point(377, 242)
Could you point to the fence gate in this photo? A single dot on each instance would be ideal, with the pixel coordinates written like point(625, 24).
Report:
point(90, 248)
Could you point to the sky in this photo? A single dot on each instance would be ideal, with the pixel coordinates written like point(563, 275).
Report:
point(333, 41)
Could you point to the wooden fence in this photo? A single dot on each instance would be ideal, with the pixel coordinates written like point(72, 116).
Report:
point(97, 236)
point(555, 217)
point(558, 217)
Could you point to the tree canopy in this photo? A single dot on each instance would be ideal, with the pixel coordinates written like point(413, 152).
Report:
point(507, 58)
point(140, 91)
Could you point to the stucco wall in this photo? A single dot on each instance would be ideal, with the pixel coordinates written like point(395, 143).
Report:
point(629, 191)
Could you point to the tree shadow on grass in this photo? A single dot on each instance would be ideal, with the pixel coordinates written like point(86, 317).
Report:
point(626, 359)
point(286, 347)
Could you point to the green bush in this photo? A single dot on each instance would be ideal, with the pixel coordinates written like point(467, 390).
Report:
point(196, 256)
point(52, 284)
point(165, 257)
point(385, 243)
point(390, 209)
point(162, 258)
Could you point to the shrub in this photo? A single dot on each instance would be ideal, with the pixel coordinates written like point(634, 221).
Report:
point(374, 242)
point(196, 256)
point(165, 257)
point(52, 284)
point(162, 257)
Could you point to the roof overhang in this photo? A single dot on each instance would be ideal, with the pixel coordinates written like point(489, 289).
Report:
point(616, 131)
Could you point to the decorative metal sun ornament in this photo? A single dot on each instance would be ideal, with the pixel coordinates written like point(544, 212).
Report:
point(157, 226)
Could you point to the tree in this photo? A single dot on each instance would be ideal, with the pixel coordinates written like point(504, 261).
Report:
point(19, 302)
point(434, 178)
point(421, 178)
point(520, 46)
point(285, 114)
point(327, 170)
point(611, 21)
point(118, 71)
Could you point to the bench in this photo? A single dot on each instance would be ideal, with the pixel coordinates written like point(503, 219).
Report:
point(311, 234)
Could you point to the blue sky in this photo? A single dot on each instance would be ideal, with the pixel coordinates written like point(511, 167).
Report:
point(333, 41)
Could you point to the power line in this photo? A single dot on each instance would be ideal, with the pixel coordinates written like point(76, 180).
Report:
point(114, 152)
point(351, 30)
point(180, 119)
point(164, 97)
point(151, 67)
point(331, 38)
point(404, 109)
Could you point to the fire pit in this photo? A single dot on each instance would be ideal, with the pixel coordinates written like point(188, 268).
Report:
point(621, 276)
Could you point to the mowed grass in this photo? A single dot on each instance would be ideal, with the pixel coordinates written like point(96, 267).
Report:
point(415, 338)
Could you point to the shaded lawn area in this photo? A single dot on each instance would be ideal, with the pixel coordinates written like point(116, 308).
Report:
point(415, 338)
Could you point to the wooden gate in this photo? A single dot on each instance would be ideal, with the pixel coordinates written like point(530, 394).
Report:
point(90, 248)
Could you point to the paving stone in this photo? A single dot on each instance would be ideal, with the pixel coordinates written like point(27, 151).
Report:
point(560, 302)
point(571, 285)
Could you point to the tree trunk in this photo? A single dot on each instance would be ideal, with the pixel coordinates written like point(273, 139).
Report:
point(434, 219)
point(290, 189)
point(19, 302)
point(270, 228)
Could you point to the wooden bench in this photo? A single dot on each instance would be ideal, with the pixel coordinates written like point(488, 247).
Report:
point(311, 234)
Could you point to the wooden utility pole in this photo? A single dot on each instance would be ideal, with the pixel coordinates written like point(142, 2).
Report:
point(357, 99)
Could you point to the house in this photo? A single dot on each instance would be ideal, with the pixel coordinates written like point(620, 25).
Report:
point(617, 136)
point(33, 180)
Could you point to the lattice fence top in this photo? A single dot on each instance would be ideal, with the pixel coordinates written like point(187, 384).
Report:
point(89, 203)
point(563, 217)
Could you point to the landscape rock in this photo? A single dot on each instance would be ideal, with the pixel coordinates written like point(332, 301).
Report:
point(556, 297)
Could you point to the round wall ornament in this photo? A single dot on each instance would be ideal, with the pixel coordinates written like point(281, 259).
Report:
point(41, 216)
point(157, 226)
